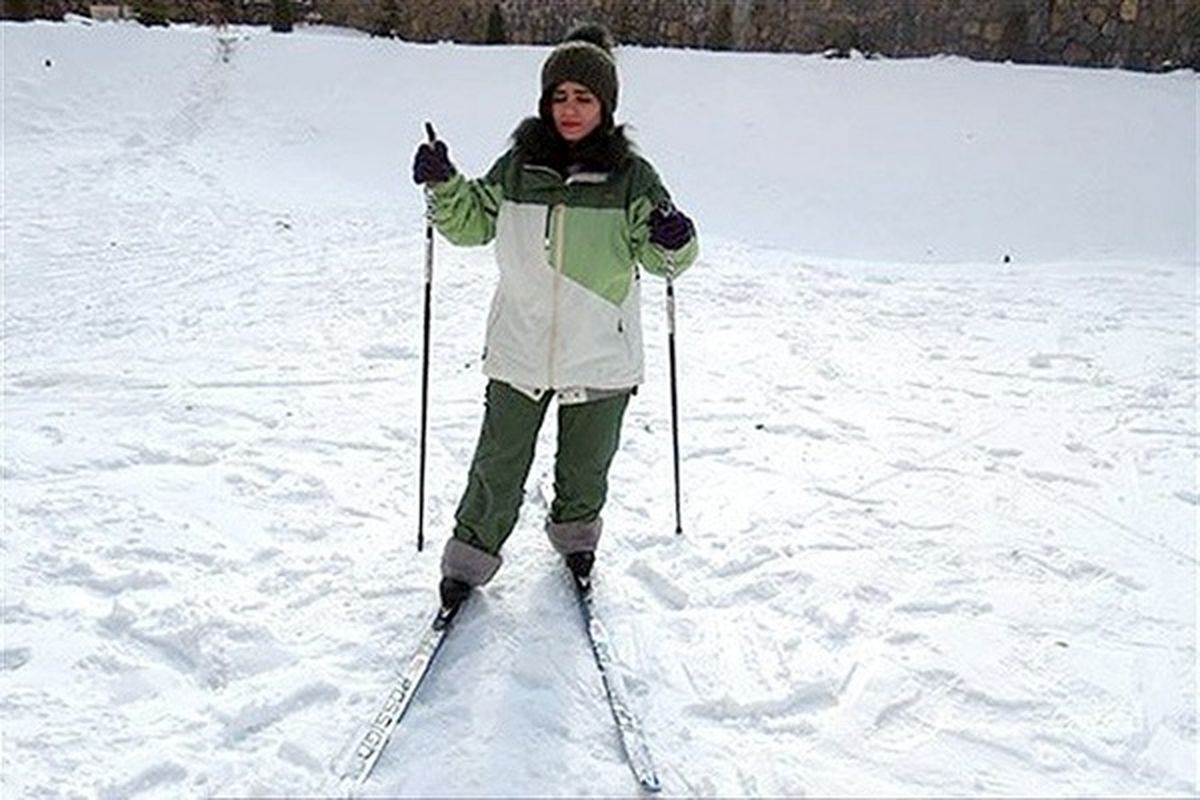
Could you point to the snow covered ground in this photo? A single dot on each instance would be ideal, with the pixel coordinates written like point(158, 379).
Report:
point(940, 512)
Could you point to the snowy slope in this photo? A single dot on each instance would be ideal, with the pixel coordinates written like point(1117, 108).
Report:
point(940, 512)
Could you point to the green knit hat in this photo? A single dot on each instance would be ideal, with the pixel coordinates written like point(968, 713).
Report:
point(585, 57)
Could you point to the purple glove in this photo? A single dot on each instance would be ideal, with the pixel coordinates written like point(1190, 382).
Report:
point(670, 229)
point(432, 164)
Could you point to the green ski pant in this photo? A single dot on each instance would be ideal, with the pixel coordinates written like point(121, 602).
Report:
point(588, 436)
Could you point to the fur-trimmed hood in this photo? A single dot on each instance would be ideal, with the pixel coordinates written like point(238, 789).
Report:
point(536, 142)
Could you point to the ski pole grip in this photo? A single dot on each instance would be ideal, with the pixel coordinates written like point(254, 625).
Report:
point(666, 208)
point(429, 132)
point(429, 215)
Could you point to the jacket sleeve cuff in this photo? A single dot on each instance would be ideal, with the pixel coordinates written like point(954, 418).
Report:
point(676, 261)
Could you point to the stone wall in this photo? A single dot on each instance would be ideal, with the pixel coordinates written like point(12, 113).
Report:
point(1137, 34)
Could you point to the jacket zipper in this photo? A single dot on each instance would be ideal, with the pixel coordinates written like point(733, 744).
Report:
point(560, 225)
point(555, 235)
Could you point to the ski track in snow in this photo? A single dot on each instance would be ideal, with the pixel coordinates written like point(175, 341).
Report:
point(939, 531)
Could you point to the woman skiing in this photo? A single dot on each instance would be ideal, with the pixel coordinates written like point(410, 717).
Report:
point(572, 211)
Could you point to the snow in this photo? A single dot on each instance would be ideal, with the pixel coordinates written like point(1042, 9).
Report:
point(940, 510)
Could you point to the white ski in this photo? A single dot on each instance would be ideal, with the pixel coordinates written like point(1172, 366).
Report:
point(357, 767)
point(629, 727)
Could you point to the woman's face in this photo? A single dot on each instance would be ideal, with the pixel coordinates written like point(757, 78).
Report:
point(576, 110)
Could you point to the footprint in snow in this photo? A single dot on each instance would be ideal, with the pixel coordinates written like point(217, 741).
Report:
point(669, 593)
point(1046, 360)
point(387, 352)
point(1002, 452)
point(936, 608)
point(149, 779)
point(14, 658)
point(1054, 477)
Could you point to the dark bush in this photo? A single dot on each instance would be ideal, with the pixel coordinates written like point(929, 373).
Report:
point(282, 16)
point(151, 13)
point(496, 32)
point(720, 35)
point(17, 10)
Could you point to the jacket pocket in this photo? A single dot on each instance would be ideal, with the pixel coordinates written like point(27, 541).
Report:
point(624, 335)
point(492, 319)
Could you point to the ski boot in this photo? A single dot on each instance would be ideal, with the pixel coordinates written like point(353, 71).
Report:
point(580, 564)
point(453, 594)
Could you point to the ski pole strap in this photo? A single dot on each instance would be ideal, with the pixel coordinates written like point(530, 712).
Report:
point(670, 293)
point(431, 135)
point(670, 306)
point(428, 235)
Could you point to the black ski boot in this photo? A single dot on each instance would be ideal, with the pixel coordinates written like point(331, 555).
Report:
point(581, 563)
point(453, 593)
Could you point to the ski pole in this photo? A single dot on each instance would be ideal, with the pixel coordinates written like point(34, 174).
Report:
point(425, 350)
point(674, 393)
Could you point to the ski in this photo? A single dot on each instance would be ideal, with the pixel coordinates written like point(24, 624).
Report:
point(368, 747)
point(629, 727)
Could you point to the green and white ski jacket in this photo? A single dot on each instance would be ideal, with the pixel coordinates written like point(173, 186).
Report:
point(566, 313)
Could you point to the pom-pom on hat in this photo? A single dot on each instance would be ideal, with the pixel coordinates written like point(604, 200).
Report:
point(585, 57)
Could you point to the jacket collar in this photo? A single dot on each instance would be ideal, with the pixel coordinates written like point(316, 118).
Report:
point(589, 161)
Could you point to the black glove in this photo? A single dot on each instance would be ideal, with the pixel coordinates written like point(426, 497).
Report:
point(670, 228)
point(432, 164)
